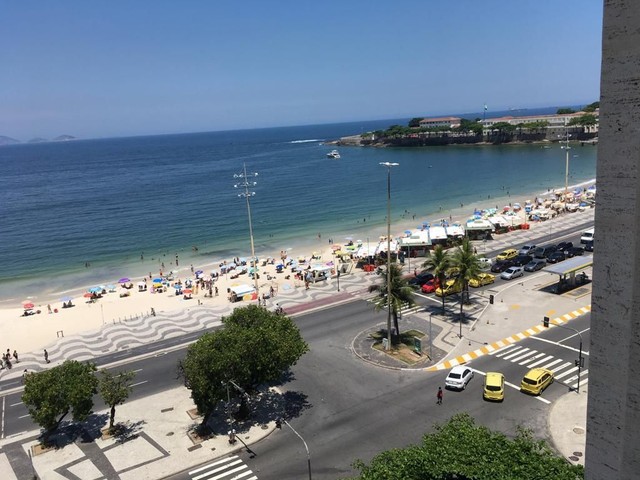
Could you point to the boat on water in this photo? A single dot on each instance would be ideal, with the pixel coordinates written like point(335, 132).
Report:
point(333, 154)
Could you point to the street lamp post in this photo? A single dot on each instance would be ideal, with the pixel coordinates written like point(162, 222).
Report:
point(245, 184)
point(300, 437)
point(430, 339)
point(388, 165)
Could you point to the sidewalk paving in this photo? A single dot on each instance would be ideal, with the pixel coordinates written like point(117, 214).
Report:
point(158, 444)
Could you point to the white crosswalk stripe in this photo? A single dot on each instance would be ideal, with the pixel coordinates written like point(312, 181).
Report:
point(229, 468)
point(532, 358)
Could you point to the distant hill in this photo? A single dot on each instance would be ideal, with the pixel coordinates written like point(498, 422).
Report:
point(8, 140)
point(63, 138)
point(37, 140)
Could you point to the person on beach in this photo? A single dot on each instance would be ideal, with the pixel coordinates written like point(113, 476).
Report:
point(46, 356)
point(49, 308)
point(15, 356)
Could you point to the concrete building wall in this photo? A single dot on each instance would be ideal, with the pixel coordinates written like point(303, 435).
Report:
point(613, 415)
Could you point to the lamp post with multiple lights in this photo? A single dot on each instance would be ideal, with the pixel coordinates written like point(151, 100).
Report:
point(388, 165)
point(245, 184)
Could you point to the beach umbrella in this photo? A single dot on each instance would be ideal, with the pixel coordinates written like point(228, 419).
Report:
point(157, 280)
point(178, 287)
point(88, 295)
point(199, 272)
point(28, 305)
point(95, 289)
point(124, 280)
point(111, 287)
point(187, 291)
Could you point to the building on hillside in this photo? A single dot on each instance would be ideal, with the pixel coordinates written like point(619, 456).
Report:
point(449, 122)
point(553, 121)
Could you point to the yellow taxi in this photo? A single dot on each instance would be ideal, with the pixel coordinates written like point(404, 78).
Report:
point(493, 386)
point(482, 279)
point(507, 254)
point(536, 380)
point(450, 287)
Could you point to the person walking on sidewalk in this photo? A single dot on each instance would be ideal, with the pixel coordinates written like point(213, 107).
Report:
point(439, 395)
point(46, 356)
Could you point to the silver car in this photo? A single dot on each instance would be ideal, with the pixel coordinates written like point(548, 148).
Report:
point(527, 249)
point(458, 377)
point(512, 272)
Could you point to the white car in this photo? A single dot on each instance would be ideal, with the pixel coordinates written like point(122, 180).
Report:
point(512, 272)
point(484, 263)
point(458, 377)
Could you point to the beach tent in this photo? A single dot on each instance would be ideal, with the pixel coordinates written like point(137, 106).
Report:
point(241, 290)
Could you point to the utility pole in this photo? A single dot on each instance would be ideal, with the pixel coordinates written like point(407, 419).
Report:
point(389, 165)
point(245, 184)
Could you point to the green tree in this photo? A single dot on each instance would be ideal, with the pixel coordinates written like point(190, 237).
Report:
point(584, 120)
point(564, 111)
point(415, 122)
point(114, 390)
point(468, 266)
point(401, 294)
point(592, 107)
point(254, 347)
point(51, 394)
point(462, 450)
point(439, 263)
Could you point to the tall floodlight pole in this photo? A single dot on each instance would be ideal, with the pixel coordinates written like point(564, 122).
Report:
point(388, 165)
point(566, 148)
point(245, 184)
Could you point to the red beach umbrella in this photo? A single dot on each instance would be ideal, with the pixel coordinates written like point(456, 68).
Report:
point(187, 291)
point(27, 305)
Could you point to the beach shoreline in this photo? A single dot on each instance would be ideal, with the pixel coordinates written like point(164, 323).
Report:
point(36, 331)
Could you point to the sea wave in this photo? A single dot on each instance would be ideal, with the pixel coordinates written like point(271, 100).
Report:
point(307, 141)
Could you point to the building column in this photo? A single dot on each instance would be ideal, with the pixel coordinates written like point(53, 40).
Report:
point(613, 413)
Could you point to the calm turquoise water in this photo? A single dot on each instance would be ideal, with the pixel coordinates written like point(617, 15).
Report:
point(109, 201)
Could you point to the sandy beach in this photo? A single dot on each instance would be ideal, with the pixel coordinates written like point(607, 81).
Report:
point(34, 332)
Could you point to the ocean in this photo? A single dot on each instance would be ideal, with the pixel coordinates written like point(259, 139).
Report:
point(87, 212)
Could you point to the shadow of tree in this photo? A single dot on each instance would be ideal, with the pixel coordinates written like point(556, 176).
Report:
point(125, 431)
point(69, 431)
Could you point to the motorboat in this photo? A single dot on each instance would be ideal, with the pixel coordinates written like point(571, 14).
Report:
point(333, 154)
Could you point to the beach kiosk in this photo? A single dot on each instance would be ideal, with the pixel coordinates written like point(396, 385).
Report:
point(242, 292)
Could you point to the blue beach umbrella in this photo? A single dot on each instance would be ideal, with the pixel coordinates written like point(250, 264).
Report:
point(157, 280)
point(95, 290)
point(111, 287)
point(199, 272)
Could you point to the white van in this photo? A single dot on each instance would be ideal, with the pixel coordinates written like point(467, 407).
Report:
point(587, 236)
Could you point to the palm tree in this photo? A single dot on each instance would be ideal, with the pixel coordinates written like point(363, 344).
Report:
point(468, 267)
point(401, 294)
point(438, 262)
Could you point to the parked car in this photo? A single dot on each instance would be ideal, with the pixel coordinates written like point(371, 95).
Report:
point(588, 246)
point(536, 380)
point(482, 279)
point(522, 260)
point(458, 377)
point(493, 386)
point(544, 252)
point(507, 254)
point(512, 272)
point(564, 246)
point(535, 265)
point(420, 279)
point(557, 256)
point(527, 249)
point(485, 263)
point(501, 266)
point(430, 286)
point(450, 287)
point(575, 252)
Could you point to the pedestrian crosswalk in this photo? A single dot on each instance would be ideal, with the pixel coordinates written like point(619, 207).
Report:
point(564, 371)
point(229, 468)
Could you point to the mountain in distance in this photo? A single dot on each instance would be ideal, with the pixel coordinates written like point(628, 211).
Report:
point(38, 140)
point(8, 140)
point(63, 138)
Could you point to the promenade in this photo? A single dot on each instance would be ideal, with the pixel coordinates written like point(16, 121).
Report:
point(158, 445)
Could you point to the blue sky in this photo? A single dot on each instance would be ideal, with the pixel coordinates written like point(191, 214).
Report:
point(118, 68)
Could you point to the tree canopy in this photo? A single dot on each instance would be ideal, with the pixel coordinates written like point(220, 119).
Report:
point(584, 120)
point(564, 111)
point(462, 450)
point(255, 346)
point(51, 394)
